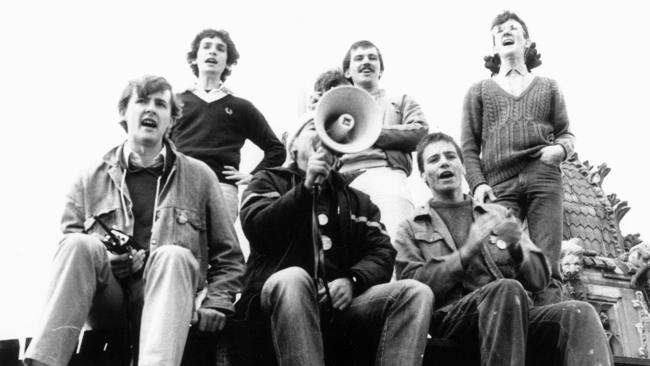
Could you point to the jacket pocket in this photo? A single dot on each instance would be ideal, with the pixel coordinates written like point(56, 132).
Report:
point(189, 229)
point(432, 245)
point(108, 217)
point(182, 227)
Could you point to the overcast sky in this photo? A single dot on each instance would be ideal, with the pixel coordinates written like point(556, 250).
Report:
point(64, 64)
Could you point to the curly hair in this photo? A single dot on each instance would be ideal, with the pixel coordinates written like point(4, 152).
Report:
point(361, 44)
point(531, 57)
point(145, 86)
point(231, 50)
point(508, 15)
point(330, 79)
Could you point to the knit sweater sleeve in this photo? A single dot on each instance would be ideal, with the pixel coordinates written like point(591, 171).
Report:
point(261, 134)
point(563, 136)
point(471, 136)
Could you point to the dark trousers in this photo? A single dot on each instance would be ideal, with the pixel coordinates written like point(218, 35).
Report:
point(499, 322)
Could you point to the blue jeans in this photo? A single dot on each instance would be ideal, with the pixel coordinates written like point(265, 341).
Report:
point(499, 321)
point(84, 289)
point(536, 195)
point(398, 313)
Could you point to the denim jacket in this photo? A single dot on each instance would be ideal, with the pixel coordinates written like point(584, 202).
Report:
point(191, 212)
point(426, 252)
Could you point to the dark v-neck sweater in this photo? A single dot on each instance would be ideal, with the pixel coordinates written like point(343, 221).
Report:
point(501, 132)
point(215, 133)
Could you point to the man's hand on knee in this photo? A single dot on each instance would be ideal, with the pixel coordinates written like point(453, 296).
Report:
point(209, 320)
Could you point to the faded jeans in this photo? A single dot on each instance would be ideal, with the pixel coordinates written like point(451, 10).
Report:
point(536, 195)
point(230, 194)
point(83, 288)
point(499, 322)
point(398, 311)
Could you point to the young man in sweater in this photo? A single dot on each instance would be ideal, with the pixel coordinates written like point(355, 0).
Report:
point(389, 160)
point(482, 267)
point(515, 134)
point(182, 241)
point(215, 124)
point(281, 293)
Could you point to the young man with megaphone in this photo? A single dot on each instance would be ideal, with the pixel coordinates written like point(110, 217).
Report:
point(343, 280)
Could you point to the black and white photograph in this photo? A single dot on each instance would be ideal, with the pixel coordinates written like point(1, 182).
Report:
point(324, 183)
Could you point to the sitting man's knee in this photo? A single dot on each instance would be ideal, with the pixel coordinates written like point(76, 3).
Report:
point(84, 243)
point(507, 285)
point(170, 252)
point(417, 291)
point(291, 282)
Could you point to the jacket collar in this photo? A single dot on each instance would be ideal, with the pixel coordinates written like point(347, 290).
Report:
point(114, 156)
point(427, 213)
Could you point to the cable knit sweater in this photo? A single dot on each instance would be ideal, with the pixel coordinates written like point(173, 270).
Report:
point(500, 132)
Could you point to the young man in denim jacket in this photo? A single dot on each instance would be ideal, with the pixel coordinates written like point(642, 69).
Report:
point(182, 240)
point(482, 268)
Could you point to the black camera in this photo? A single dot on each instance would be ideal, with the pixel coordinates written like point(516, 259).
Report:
point(115, 240)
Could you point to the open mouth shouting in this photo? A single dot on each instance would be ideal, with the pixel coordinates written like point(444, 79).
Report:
point(211, 61)
point(446, 175)
point(507, 41)
point(148, 122)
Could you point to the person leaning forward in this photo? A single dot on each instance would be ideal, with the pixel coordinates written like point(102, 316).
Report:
point(183, 240)
point(280, 292)
point(482, 269)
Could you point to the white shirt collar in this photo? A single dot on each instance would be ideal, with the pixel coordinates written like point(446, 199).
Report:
point(127, 152)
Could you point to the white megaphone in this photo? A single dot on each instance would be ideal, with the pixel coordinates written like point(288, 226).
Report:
point(347, 119)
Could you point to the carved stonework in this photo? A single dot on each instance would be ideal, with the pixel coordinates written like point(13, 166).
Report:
point(601, 265)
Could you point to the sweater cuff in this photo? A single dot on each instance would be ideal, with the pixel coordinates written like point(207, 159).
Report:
point(568, 151)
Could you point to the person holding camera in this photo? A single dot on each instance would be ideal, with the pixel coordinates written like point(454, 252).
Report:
point(294, 292)
point(145, 229)
point(482, 269)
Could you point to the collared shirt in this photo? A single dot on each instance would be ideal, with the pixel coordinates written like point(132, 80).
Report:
point(514, 80)
point(133, 160)
point(211, 95)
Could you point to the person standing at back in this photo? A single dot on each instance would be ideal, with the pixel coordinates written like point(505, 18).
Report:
point(388, 163)
point(515, 134)
point(215, 123)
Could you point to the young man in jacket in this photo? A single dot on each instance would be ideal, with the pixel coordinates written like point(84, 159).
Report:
point(389, 160)
point(182, 240)
point(280, 288)
point(482, 269)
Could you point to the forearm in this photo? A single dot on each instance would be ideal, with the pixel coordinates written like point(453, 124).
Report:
point(406, 134)
point(402, 137)
point(274, 153)
point(471, 137)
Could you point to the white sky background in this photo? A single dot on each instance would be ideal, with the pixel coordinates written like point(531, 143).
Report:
point(64, 64)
